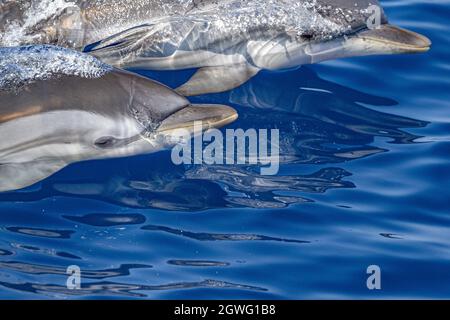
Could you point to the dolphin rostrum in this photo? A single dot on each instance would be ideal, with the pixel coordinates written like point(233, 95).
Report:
point(228, 40)
point(59, 106)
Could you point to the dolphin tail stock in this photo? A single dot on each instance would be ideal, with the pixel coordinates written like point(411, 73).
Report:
point(15, 176)
point(217, 79)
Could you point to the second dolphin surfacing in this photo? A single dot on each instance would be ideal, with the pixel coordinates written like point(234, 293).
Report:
point(58, 106)
point(230, 41)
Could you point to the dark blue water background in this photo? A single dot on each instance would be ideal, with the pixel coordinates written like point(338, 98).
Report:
point(364, 180)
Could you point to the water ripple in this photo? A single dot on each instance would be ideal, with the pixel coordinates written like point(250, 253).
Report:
point(202, 236)
point(122, 289)
point(198, 263)
point(108, 220)
point(46, 233)
point(28, 268)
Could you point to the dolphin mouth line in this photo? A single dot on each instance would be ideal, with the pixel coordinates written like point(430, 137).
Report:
point(397, 38)
point(193, 118)
point(210, 116)
point(209, 124)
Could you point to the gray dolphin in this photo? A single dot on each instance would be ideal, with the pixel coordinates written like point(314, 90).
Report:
point(59, 106)
point(229, 40)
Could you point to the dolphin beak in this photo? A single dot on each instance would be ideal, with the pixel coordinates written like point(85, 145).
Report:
point(387, 39)
point(391, 39)
point(190, 117)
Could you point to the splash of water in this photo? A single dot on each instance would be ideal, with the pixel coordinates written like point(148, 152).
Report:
point(37, 20)
point(30, 27)
point(20, 66)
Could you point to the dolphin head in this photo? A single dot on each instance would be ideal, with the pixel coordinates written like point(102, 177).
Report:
point(370, 34)
point(89, 110)
point(338, 28)
point(59, 106)
point(150, 118)
point(169, 132)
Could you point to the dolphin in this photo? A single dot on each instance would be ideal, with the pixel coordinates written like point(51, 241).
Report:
point(229, 41)
point(59, 106)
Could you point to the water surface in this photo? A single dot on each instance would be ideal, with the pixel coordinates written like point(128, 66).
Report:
point(364, 180)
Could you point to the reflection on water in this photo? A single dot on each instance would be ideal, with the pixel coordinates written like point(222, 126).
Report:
point(198, 263)
point(191, 188)
point(5, 252)
point(28, 268)
point(121, 289)
point(240, 180)
point(390, 236)
point(322, 122)
point(108, 220)
point(202, 236)
point(322, 125)
point(45, 233)
point(44, 251)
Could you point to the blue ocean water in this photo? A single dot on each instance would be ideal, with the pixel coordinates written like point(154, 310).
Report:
point(364, 181)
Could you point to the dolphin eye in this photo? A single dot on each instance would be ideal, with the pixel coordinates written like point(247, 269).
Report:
point(105, 142)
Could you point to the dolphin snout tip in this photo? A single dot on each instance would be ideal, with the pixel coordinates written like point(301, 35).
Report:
point(397, 40)
point(410, 40)
point(215, 115)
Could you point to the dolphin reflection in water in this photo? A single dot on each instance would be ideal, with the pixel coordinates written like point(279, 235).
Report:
point(230, 41)
point(59, 106)
point(325, 126)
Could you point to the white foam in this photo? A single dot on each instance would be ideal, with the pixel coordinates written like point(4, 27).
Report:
point(296, 17)
point(23, 30)
point(23, 65)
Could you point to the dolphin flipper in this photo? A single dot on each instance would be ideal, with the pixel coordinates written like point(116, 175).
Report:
point(217, 79)
point(14, 176)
